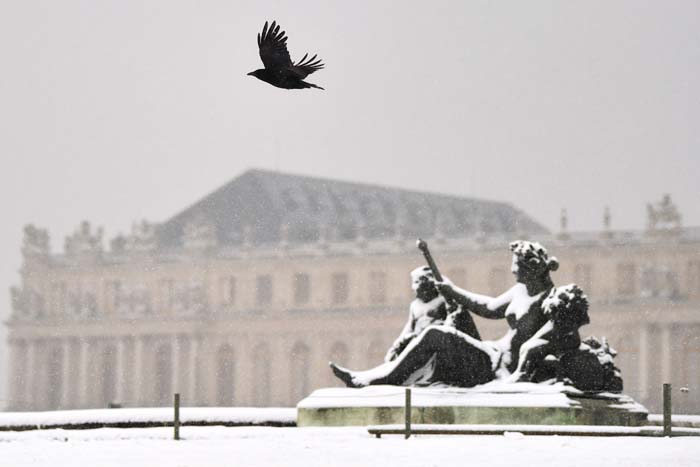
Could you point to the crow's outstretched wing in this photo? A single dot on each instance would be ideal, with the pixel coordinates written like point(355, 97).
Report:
point(304, 67)
point(273, 47)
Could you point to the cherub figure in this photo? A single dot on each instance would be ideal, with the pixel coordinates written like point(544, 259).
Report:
point(557, 352)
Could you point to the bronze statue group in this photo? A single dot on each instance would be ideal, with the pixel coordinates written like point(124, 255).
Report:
point(440, 343)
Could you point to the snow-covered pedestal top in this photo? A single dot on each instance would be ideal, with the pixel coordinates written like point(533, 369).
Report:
point(487, 395)
point(495, 402)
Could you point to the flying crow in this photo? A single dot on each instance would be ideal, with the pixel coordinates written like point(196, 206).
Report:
point(279, 70)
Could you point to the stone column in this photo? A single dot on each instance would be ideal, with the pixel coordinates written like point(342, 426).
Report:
point(192, 372)
point(138, 367)
point(643, 361)
point(120, 371)
point(30, 374)
point(84, 377)
point(17, 386)
point(12, 385)
point(67, 380)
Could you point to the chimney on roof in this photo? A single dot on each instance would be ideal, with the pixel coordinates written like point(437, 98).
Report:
point(360, 238)
point(247, 236)
point(323, 233)
point(607, 221)
point(563, 225)
point(284, 235)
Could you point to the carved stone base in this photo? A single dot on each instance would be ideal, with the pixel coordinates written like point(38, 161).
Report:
point(493, 404)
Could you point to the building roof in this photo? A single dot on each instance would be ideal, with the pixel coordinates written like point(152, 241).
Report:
point(262, 206)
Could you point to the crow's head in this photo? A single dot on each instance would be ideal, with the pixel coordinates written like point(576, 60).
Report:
point(257, 73)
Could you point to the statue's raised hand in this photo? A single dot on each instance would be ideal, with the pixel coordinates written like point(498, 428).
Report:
point(452, 296)
point(446, 289)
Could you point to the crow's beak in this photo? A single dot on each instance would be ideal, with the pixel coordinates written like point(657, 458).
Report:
point(250, 74)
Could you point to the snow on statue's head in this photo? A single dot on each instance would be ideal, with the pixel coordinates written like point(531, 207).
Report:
point(423, 284)
point(567, 306)
point(421, 275)
point(531, 256)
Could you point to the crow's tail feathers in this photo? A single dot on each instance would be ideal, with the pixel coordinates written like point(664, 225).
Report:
point(311, 85)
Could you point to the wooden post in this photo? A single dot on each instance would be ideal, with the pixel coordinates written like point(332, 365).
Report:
point(176, 421)
point(667, 409)
point(407, 412)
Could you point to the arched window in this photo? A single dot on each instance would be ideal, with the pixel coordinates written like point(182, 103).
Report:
point(263, 290)
point(163, 375)
point(261, 375)
point(300, 359)
point(224, 375)
point(302, 288)
point(340, 288)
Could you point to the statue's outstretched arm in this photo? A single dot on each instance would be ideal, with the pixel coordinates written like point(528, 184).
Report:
point(481, 305)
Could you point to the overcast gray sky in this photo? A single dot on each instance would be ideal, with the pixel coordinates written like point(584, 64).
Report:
point(113, 111)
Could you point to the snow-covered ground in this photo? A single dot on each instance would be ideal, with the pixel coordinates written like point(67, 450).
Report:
point(268, 446)
point(328, 447)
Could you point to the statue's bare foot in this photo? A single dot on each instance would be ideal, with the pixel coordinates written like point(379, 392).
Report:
point(343, 375)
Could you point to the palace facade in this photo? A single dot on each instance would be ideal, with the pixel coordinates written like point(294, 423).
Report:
point(244, 297)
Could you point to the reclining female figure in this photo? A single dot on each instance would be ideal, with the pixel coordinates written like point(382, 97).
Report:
point(450, 351)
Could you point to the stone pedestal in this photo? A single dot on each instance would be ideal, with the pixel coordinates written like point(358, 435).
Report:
point(493, 404)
